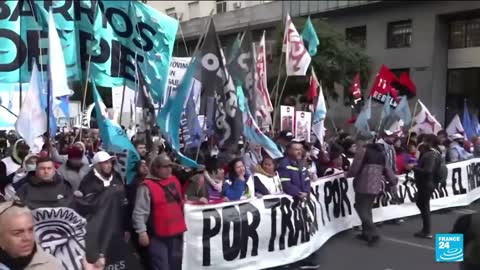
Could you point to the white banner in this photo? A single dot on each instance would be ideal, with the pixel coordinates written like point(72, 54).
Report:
point(277, 230)
point(178, 67)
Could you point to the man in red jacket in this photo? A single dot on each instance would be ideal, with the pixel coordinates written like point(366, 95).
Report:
point(158, 215)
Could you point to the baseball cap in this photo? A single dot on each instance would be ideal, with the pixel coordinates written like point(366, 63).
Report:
point(101, 156)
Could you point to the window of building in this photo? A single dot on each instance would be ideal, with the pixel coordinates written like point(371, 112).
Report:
point(193, 9)
point(221, 6)
point(462, 84)
point(398, 71)
point(357, 35)
point(399, 34)
point(171, 12)
point(464, 33)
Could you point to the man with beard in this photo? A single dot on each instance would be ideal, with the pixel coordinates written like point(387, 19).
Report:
point(46, 188)
point(74, 169)
point(103, 177)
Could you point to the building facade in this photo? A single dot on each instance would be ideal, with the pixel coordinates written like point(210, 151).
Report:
point(437, 42)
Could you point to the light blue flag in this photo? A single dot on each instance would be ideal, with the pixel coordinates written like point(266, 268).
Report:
point(194, 129)
point(251, 131)
point(168, 119)
point(113, 137)
point(310, 37)
point(386, 112)
point(476, 124)
point(403, 111)
point(362, 120)
point(468, 126)
point(157, 60)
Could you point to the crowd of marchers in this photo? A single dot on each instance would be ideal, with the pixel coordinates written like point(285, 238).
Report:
point(153, 221)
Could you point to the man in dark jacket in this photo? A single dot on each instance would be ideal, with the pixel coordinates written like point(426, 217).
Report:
point(103, 177)
point(46, 188)
point(293, 174)
point(424, 179)
point(370, 171)
point(295, 181)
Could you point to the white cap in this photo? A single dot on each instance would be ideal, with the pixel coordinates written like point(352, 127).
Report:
point(101, 156)
point(457, 136)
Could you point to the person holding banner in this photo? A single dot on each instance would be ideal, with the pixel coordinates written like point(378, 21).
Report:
point(158, 215)
point(238, 186)
point(293, 174)
point(371, 173)
point(214, 175)
point(266, 179)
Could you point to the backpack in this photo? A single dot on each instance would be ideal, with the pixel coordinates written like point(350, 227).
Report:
point(441, 171)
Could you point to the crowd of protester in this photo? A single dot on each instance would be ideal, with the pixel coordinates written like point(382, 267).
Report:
point(154, 220)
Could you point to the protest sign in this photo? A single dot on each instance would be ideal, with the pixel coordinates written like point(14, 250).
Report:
point(278, 230)
point(303, 125)
point(177, 69)
point(287, 115)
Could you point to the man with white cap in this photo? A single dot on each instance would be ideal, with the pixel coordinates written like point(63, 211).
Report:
point(457, 152)
point(101, 176)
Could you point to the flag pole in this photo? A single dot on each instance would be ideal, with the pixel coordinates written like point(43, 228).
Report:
point(87, 77)
point(183, 37)
point(12, 113)
point(411, 124)
point(277, 101)
point(85, 92)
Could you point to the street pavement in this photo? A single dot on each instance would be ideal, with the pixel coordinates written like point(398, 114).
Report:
point(397, 249)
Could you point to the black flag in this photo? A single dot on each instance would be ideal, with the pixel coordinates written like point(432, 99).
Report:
point(242, 67)
point(216, 82)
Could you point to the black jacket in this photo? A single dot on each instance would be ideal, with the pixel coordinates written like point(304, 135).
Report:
point(36, 193)
point(425, 171)
point(91, 187)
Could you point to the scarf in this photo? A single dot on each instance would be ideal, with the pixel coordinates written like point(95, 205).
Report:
point(16, 263)
point(260, 170)
point(214, 182)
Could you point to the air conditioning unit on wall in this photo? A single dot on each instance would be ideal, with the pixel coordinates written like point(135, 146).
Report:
point(237, 4)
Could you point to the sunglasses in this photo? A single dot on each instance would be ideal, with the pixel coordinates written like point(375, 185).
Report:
point(16, 203)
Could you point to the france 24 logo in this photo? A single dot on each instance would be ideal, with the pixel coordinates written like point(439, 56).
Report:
point(449, 247)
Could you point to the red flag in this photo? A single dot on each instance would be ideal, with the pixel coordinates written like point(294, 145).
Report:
point(313, 88)
point(382, 86)
point(408, 83)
